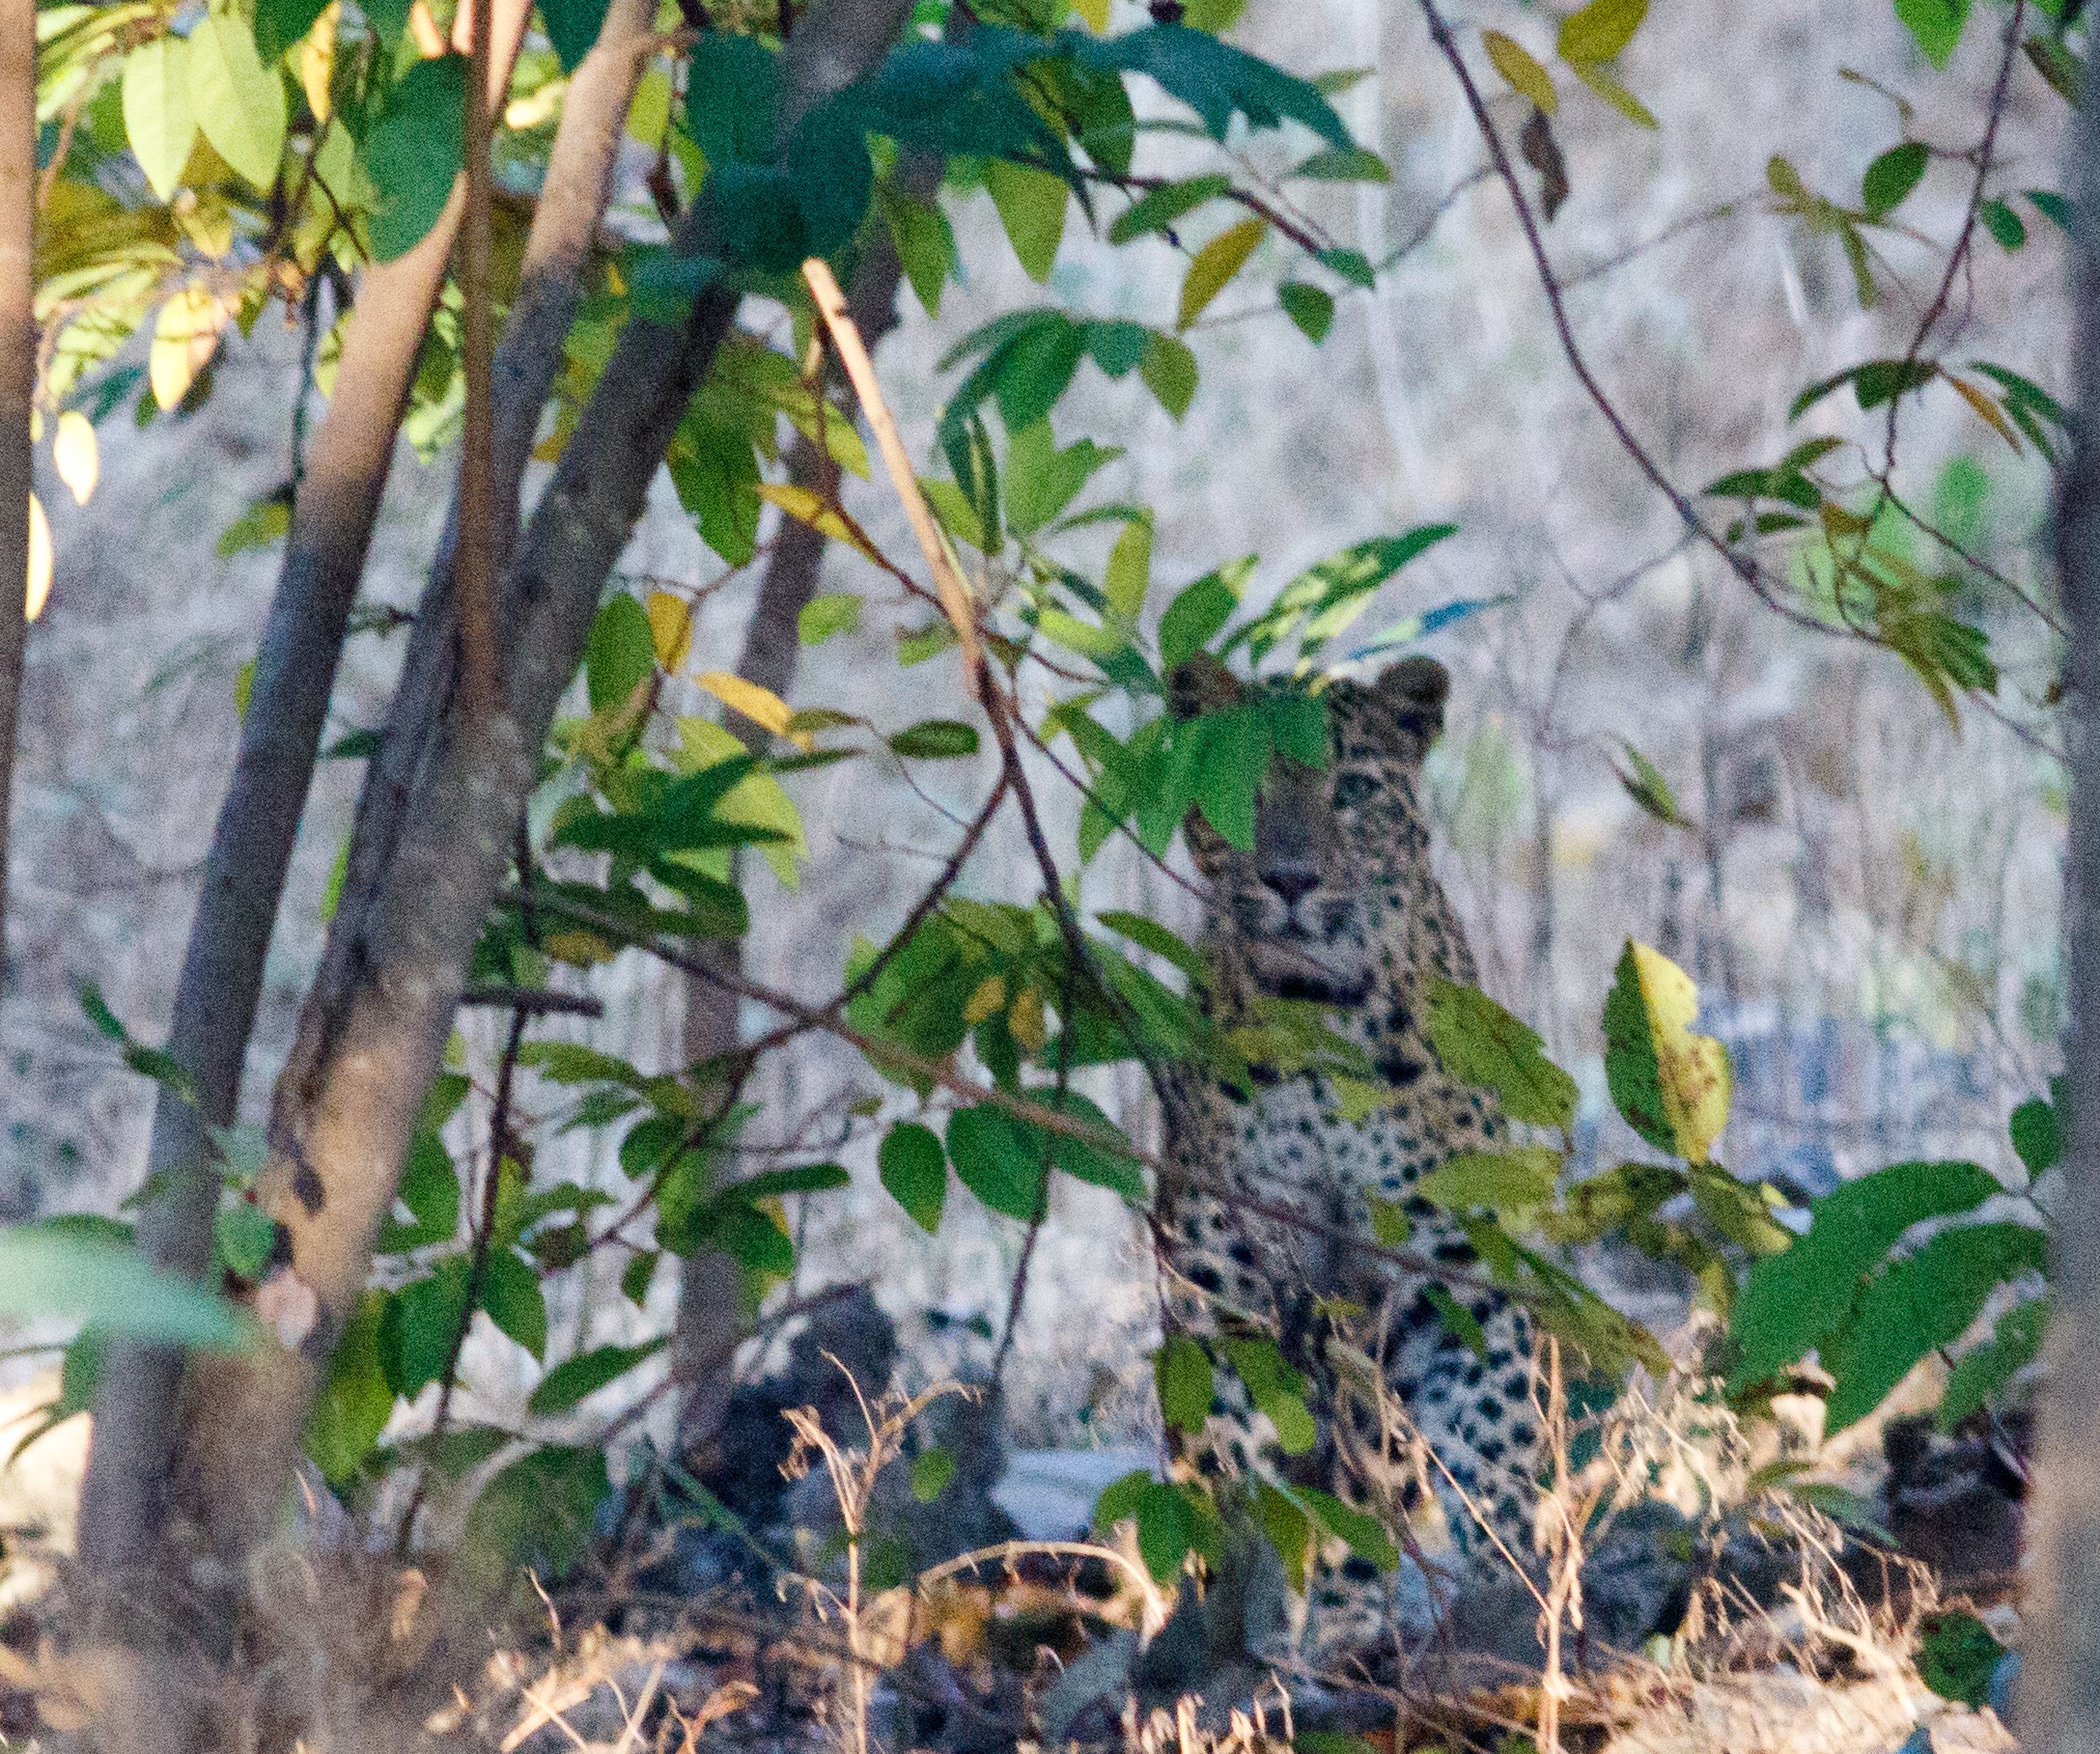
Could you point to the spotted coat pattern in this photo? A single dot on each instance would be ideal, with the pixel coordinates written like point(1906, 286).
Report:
point(1337, 903)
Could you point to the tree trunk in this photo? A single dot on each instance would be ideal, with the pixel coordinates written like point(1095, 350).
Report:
point(710, 1314)
point(432, 842)
point(18, 380)
point(2060, 1696)
point(122, 1496)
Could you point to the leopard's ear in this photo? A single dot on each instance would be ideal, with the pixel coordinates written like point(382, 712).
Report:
point(1415, 691)
point(1201, 685)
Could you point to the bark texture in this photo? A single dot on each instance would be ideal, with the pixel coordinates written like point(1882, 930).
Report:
point(123, 1498)
point(18, 380)
point(431, 842)
point(2060, 1697)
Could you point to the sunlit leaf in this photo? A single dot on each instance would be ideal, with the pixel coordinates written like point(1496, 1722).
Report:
point(1519, 71)
point(1600, 30)
point(1481, 1043)
point(1214, 265)
point(186, 336)
point(158, 116)
point(1672, 1085)
point(76, 456)
point(238, 102)
point(758, 703)
point(38, 586)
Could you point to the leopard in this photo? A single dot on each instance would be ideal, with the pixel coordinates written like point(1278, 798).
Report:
point(1274, 1184)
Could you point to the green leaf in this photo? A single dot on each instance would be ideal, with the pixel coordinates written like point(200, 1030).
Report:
point(1158, 208)
point(1345, 164)
point(1289, 1527)
point(509, 1291)
point(1672, 1085)
point(1181, 1370)
point(279, 25)
point(430, 1188)
point(1199, 611)
point(915, 1171)
point(999, 1160)
point(1891, 178)
point(931, 1473)
point(355, 1402)
point(1155, 937)
point(1365, 1535)
point(52, 1273)
point(537, 1515)
point(1600, 30)
point(1794, 1301)
point(261, 524)
point(1353, 266)
point(1920, 1303)
point(925, 242)
point(576, 1378)
point(572, 28)
point(1031, 207)
point(733, 98)
point(240, 103)
point(2053, 207)
point(412, 153)
point(1042, 481)
point(826, 616)
point(1458, 1322)
point(2038, 1135)
point(1169, 372)
point(1165, 1529)
point(1236, 752)
point(1277, 1389)
point(1326, 600)
point(1129, 577)
point(936, 739)
point(1214, 265)
point(1308, 307)
point(1120, 1499)
point(622, 653)
point(419, 1325)
point(1936, 25)
point(1516, 1180)
point(2005, 226)
point(1647, 788)
point(637, 1276)
point(1958, 1656)
point(1481, 1043)
point(159, 119)
point(1978, 1375)
point(245, 1235)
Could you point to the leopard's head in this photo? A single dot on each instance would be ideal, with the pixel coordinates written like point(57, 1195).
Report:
point(1309, 911)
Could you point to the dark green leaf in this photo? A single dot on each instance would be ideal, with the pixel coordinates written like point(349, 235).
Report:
point(2038, 1134)
point(2005, 226)
point(1958, 1655)
point(246, 1235)
point(1891, 178)
point(733, 98)
point(412, 153)
point(1236, 752)
point(1920, 1303)
point(356, 1403)
point(1479, 1043)
point(509, 1291)
point(1165, 1529)
point(2053, 207)
point(420, 1326)
point(1181, 1370)
point(1978, 1375)
point(572, 28)
point(1198, 612)
point(1353, 266)
point(537, 1515)
point(915, 1171)
point(932, 1472)
point(1345, 164)
point(936, 739)
point(1936, 25)
point(1308, 307)
point(280, 23)
point(999, 1160)
point(576, 1378)
point(1792, 1302)
point(1158, 208)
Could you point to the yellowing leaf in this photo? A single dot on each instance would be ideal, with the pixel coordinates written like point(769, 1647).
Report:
point(1600, 30)
point(76, 456)
point(670, 627)
point(808, 507)
point(1987, 410)
point(987, 1001)
point(1600, 81)
point(1025, 1018)
point(185, 335)
point(316, 60)
point(1672, 1085)
point(1214, 265)
point(1522, 74)
point(158, 118)
point(239, 102)
point(1095, 12)
point(760, 706)
point(40, 562)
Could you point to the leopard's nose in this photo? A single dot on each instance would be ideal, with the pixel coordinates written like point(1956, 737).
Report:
point(1293, 879)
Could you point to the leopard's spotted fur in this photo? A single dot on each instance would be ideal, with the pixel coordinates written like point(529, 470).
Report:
point(1337, 903)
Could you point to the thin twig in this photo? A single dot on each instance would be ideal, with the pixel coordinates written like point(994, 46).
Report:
point(475, 565)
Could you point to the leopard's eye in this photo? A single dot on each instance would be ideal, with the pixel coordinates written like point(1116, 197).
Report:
point(1354, 790)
